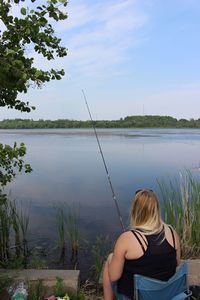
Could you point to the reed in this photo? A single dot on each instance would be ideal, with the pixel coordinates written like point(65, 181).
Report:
point(182, 210)
point(100, 250)
point(60, 220)
point(5, 228)
point(36, 290)
point(13, 233)
point(16, 228)
point(72, 222)
point(59, 288)
point(24, 218)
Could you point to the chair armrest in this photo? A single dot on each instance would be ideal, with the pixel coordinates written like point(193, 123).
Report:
point(182, 296)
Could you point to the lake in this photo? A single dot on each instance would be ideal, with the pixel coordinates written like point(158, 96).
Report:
point(68, 168)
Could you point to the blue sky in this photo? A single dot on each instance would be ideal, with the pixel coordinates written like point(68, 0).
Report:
point(131, 57)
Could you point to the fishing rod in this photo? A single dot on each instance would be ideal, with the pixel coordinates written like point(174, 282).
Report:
point(104, 163)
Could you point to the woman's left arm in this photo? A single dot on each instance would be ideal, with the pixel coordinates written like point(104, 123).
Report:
point(116, 261)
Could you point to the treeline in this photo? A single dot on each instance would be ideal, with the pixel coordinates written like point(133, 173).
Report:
point(127, 122)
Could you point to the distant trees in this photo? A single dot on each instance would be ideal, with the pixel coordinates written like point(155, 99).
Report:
point(127, 122)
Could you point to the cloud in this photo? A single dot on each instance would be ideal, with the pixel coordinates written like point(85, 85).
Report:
point(100, 34)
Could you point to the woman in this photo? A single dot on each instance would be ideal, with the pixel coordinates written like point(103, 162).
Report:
point(151, 248)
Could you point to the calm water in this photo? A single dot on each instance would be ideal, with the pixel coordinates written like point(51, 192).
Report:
point(67, 167)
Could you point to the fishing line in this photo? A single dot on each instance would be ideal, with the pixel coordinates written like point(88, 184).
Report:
point(105, 166)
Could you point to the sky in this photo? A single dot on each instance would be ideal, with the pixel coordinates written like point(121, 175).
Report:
point(131, 57)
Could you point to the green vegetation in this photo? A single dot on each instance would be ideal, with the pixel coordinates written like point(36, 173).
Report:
point(36, 290)
point(59, 289)
point(38, 263)
point(182, 211)
point(32, 30)
point(100, 250)
point(60, 218)
point(127, 122)
point(13, 251)
point(5, 283)
point(67, 220)
point(72, 222)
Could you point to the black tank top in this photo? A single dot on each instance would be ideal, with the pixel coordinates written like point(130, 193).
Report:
point(158, 261)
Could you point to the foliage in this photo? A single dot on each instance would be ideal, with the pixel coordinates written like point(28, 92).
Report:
point(31, 29)
point(59, 289)
point(81, 295)
point(5, 283)
point(11, 254)
point(127, 122)
point(182, 211)
point(36, 290)
point(73, 228)
point(38, 263)
point(60, 218)
point(100, 251)
point(11, 161)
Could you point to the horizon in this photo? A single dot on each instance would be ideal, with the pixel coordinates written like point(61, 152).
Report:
point(132, 57)
point(86, 120)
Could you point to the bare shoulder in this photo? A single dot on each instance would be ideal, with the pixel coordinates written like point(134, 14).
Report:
point(169, 228)
point(124, 238)
point(169, 233)
point(129, 244)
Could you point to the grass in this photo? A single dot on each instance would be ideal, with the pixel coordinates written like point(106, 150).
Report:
point(36, 290)
point(5, 283)
point(13, 233)
point(100, 251)
point(72, 223)
point(60, 218)
point(5, 228)
point(16, 228)
point(182, 210)
point(67, 220)
point(23, 219)
point(59, 289)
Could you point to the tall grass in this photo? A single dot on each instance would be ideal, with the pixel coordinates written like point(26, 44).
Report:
point(24, 218)
point(13, 233)
point(36, 290)
point(72, 222)
point(60, 218)
point(182, 210)
point(67, 220)
point(100, 250)
point(16, 228)
point(5, 228)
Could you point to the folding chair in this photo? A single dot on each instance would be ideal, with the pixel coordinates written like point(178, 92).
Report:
point(176, 288)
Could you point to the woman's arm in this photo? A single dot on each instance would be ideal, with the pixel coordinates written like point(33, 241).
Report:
point(117, 258)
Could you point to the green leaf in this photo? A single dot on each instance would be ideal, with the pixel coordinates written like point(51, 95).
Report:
point(23, 11)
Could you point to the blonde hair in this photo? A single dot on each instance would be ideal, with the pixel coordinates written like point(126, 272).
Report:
point(145, 213)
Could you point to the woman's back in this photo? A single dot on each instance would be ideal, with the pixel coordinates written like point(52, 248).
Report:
point(158, 259)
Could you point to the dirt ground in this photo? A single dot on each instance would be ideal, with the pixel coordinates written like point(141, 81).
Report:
point(94, 297)
point(91, 293)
